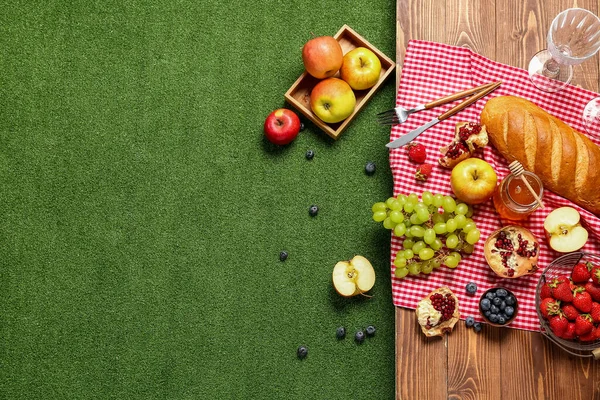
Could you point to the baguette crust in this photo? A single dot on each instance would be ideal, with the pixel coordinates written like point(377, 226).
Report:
point(567, 162)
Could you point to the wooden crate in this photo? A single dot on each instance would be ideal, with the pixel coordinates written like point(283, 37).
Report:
point(298, 95)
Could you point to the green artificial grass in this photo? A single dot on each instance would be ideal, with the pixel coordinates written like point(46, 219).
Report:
point(142, 212)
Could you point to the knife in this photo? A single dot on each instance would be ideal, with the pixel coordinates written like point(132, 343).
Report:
point(410, 136)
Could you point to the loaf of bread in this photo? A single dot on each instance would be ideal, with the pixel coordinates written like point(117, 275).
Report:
point(567, 162)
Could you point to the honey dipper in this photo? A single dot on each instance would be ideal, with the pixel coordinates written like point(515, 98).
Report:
point(517, 170)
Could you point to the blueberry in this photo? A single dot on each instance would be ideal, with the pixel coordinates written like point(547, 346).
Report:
point(310, 154)
point(501, 319)
point(510, 301)
point(301, 126)
point(370, 330)
point(469, 321)
point(509, 311)
point(493, 318)
point(313, 210)
point(477, 327)
point(340, 333)
point(283, 256)
point(496, 301)
point(487, 313)
point(502, 305)
point(471, 288)
point(370, 168)
point(490, 295)
point(494, 309)
point(501, 293)
point(485, 304)
point(302, 352)
point(359, 336)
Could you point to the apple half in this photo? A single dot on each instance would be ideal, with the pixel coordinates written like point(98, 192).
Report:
point(353, 277)
point(564, 231)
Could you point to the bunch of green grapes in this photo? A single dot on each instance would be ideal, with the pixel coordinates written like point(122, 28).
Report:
point(436, 230)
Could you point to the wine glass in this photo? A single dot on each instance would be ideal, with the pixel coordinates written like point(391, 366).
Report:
point(573, 37)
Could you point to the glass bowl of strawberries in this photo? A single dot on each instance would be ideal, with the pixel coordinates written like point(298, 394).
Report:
point(567, 301)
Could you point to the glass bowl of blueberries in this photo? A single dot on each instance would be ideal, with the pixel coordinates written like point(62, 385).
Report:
point(498, 306)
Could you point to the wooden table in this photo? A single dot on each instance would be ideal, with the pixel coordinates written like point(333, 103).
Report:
point(498, 363)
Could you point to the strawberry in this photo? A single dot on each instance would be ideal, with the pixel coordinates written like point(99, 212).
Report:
point(549, 307)
point(558, 324)
point(570, 312)
point(581, 272)
point(595, 274)
point(561, 289)
point(582, 300)
point(569, 333)
point(595, 312)
point(583, 324)
point(590, 336)
point(545, 291)
point(593, 290)
point(417, 152)
point(423, 172)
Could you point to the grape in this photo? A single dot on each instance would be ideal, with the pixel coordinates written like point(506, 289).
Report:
point(460, 220)
point(468, 248)
point(408, 244)
point(389, 201)
point(469, 213)
point(437, 218)
point(426, 253)
point(435, 262)
point(440, 228)
point(451, 225)
point(438, 200)
point(413, 198)
point(461, 209)
point(418, 246)
point(400, 230)
point(451, 241)
point(400, 262)
point(379, 207)
point(427, 267)
point(379, 216)
point(402, 199)
point(408, 254)
point(473, 236)
point(396, 205)
point(456, 255)
point(396, 216)
point(401, 272)
point(414, 268)
point(417, 231)
point(451, 261)
point(427, 198)
point(448, 204)
point(414, 219)
point(408, 207)
point(447, 216)
point(429, 236)
point(400, 254)
point(407, 233)
point(436, 244)
point(469, 226)
point(388, 224)
point(423, 214)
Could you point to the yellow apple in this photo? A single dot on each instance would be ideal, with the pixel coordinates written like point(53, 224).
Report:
point(361, 68)
point(332, 100)
point(322, 56)
point(353, 277)
point(473, 180)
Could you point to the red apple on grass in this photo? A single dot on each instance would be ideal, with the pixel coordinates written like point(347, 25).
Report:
point(361, 68)
point(332, 100)
point(473, 180)
point(282, 126)
point(322, 56)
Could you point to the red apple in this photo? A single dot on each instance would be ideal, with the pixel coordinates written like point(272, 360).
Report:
point(282, 126)
point(332, 100)
point(473, 180)
point(322, 56)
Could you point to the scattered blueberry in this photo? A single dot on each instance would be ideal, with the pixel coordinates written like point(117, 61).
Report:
point(471, 288)
point(496, 301)
point(485, 304)
point(494, 309)
point(502, 305)
point(370, 330)
point(283, 256)
point(302, 352)
point(301, 126)
point(509, 311)
point(313, 210)
point(477, 327)
point(310, 154)
point(370, 168)
point(340, 333)
point(469, 322)
point(493, 318)
point(510, 301)
point(490, 295)
point(501, 319)
point(501, 293)
point(359, 336)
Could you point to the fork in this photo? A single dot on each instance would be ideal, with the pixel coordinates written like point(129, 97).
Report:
point(399, 114)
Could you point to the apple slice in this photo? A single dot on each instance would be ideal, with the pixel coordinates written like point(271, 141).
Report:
point(353, 277)
point(564, 231)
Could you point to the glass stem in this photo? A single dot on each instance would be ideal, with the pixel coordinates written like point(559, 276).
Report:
point(551, 68)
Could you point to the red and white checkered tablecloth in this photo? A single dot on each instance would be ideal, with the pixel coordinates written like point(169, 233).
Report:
point(433, 70)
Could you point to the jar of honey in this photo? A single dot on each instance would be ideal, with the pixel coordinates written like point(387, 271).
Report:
point(512, 198)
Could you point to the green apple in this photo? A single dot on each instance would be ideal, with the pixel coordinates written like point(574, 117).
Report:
point(332, 100)
point(361, 68)
point(473, 180)
point(353, 277)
